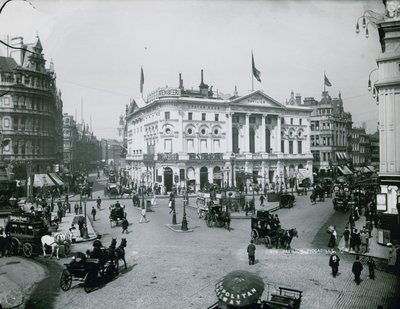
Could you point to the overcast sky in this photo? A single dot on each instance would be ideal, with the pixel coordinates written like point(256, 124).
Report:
point(98, 48)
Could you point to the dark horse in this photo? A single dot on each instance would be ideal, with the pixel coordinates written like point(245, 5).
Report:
point(285, 237)
point(120, 253)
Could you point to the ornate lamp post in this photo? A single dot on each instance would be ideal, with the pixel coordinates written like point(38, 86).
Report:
point(184, 226)
point(173, 208)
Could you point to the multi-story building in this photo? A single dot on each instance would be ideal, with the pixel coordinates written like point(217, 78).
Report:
point(360, 148)
point(70, 141)
point(88, 149)
point(330, 135)
point(374, 149)
point(194, 138)
point(30, 112)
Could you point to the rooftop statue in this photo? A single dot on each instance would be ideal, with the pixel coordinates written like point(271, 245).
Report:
point(392, 8)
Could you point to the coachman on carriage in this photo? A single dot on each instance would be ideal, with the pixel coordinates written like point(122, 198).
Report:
point(267, 228)
point(117, 214)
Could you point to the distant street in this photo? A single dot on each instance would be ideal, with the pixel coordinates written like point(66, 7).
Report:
point(167, 269)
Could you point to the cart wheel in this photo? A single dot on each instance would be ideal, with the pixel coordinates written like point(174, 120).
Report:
point(15, 247)
point(65, 280)
point(254, 235)
point(27, 249)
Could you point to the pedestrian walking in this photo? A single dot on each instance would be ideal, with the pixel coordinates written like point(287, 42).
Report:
point(346, 236)
point(76, 208)
point(352, 222)
point(262, 198)
point(143, 216)
point(98, 202)
point(125, 226)
point(171, 205)
point(371, 268)
point(251, 251)
point(364, 241)
point(357, 269)
point(392, 256)
point(332, 238)
point(94, 213)
point(59, 215)
point(334, 263)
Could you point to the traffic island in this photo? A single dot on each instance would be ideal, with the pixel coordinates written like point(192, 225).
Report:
point(178, 228)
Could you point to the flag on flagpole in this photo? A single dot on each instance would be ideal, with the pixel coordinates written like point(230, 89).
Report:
point(256, 72)
point(327, 82)
point(141, 80)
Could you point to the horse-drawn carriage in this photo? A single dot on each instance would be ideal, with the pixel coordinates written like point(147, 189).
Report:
point(117, 214)
point(286, 200)
point(266, 228)
point(26, 232)
point(99, 267)
point(90, 271)
point(341, 197)
point(111, 190)
point(217, 216)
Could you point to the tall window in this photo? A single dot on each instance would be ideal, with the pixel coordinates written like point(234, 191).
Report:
point(167, 116)
point(283, 146)
point(168, 145)
point(300, 121)
point(290, 147)
point(299, 146)
point(216, 147)
point(203, 116)
point(190, 116)
point(190, 146)
point(216, 117)
point(291, 120)
point(203, 146)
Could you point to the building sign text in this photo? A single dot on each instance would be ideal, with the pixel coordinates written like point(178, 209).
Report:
point(205, 156)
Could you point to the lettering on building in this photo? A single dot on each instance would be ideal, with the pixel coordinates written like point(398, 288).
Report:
point(205, 156)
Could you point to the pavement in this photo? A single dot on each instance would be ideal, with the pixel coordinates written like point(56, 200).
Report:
point(375, 249)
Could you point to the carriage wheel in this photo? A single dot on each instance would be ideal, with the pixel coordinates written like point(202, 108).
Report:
point(65, 280)
point(254, 235)
point(27, 249)
point(15, 247)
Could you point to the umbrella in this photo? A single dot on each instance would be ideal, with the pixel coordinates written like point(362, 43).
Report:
point(239, 288)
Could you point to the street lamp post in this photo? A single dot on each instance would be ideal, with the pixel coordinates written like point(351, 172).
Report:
point(85, 230)
point(173, 209)
point(184, 226)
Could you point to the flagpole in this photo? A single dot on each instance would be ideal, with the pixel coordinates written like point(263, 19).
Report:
point(324, 82)
point(252, 73)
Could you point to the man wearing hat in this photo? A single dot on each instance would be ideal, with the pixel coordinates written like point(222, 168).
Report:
point(251, 251)
point(334, 263)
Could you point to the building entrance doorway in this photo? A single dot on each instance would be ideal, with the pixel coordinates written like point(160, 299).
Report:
point(203, 176)
point(168, 179)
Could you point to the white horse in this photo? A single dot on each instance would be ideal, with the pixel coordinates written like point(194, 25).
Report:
point(54, 241)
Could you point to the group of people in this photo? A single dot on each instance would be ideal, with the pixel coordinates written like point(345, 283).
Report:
point(356, 269)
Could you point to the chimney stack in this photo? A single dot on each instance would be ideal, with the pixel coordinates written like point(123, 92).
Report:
point(180, 81)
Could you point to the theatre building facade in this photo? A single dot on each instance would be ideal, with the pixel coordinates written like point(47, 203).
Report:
point(193, 138)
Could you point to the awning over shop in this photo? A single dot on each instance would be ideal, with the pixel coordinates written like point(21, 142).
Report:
point(42, 180)
point(345, 170)
point(56, 179)
point(349, 172)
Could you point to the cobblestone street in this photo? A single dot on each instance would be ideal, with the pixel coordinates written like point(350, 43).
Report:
point(178, 270)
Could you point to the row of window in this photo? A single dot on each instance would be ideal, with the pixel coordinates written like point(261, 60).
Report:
point(291, 150)
point(30, 103)
point(190, 116)
point(315, 126)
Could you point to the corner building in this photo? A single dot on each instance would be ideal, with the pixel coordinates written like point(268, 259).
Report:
point(191, 138)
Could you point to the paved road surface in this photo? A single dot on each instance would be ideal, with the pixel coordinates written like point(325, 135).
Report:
point(179, 270)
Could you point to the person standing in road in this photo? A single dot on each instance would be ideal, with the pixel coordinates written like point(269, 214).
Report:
point(262, 198)
point(125, 226)
point(94, 213)
point(76, 208)
point(357, 269)
point(251, 251)
point(346, 236)
point(371, 267)
point(143, 216)
point(334, 263)
point(98, 202)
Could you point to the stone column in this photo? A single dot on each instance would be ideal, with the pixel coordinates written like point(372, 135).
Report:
point(262, 135)
point(278, 134)
point(228, 130)
point(247, 134)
